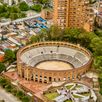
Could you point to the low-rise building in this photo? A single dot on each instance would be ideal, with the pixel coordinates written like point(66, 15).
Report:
point(99, 20)
point(47, 14)
point(1, 56)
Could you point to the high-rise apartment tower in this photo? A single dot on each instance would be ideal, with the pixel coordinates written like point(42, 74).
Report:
point(72, 13)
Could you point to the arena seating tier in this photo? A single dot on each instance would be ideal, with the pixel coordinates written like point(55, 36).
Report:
point(46, 53)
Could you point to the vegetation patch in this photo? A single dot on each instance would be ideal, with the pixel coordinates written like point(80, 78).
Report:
point(36, 7)
point(85, 94)
point(76, 96)
point(69, 86)
point(100, 83)
point(68, 101)
point(78, 86)
point(14, 90)
point(52, 95)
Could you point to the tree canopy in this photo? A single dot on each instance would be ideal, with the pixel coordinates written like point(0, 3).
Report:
point(36, 7)
point(43, 1)
point(96, 45)
point(12, 12)
point(23, 6)
point(2, 67)
point(98, 63)
point(88, 40)
point(9, 56)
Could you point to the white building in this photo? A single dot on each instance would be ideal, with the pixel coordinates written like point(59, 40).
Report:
point(11, 2)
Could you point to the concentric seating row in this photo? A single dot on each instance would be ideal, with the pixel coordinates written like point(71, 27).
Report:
point(81, 57)
point(39, 54)
point(47, 57)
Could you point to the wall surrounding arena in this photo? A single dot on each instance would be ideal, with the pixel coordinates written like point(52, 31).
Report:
point(47, 76)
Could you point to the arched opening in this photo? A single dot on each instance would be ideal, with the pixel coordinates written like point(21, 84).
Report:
point(50, 79)
point(59, 79)
point(54, 79)
point(32, 77)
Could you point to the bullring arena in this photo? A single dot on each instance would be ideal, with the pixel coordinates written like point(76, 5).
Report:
point(48, 62)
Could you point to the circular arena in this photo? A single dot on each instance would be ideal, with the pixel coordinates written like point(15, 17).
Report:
point(47, 62)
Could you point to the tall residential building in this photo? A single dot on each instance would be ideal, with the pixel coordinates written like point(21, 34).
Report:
point(99, 14)
point(73, 13)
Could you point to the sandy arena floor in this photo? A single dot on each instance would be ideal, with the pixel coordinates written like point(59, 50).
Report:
point(54, 65)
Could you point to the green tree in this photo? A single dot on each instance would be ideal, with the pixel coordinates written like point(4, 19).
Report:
point(2, 67)
point(12, 12)
point(24, 6)
point(13, 16)
point(96, 45)
point(72, 34)
point(98, 32)
point(36, 7)
point(25, 99)
point(34, 1)
point(14, 91)
point(34, 39)
point(20, 94)
point(54, 33)
point(8, 88)
point(22, 15)
point(43, 1)
point(13, 9)
point(98, 63)
point(3, 82)
point(3, 8)
point(9, 56)
point(85, 38)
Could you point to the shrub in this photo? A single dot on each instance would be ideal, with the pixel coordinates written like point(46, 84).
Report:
point(20, 94)
point(25, 99)
point(36, 8)
point(14, 91)
point(3, 82)
point(8, 88)
point(23, 6)
point(100, 91)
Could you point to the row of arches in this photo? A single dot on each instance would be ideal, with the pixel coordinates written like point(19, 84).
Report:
point(49, 79)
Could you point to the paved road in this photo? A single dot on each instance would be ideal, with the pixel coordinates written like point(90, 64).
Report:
point(20, 20)
point(7, 96)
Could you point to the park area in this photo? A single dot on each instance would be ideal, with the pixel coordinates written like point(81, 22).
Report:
point(71, 92)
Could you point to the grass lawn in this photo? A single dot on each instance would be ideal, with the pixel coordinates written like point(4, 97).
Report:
point(52, 96)
point(85, 94)
point(68, 101)
point(76, 96)
point(78, 86)
point(69, 86)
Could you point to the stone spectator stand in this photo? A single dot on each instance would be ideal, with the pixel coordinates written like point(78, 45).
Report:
point(29, 58)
